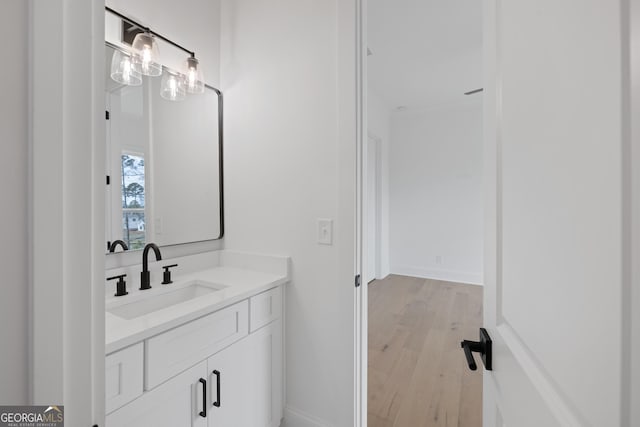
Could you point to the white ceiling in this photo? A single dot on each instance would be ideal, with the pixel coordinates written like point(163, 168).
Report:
point(426, 53)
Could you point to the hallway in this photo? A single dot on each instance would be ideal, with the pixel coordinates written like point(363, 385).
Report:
point(417, 372)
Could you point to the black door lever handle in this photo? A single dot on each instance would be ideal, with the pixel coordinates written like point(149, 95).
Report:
point(468, 347)
point(483, 347)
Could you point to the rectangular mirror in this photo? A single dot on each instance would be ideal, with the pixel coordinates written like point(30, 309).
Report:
point(163, 164)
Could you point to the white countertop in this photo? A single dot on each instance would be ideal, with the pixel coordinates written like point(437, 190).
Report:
point(240, 283)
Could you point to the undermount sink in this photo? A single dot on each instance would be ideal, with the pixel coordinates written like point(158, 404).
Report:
point(148, 305)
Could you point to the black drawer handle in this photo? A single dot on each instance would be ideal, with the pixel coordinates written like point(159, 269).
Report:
point(203, 413)
point(217, 402)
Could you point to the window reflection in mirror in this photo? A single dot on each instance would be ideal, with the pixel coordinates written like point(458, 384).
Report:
point(133, 200)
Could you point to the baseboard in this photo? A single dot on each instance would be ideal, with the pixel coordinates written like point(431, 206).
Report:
point(297, 418)
point(445, 275)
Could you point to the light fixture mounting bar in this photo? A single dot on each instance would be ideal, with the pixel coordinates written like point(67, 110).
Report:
point(147, 29)
point(474, 91)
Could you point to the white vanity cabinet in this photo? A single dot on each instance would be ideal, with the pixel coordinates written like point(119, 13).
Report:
point(267, 375)
point(250, 381)
point(231, 385)
point(177, 402)
point(124, 376)
point(221, 370)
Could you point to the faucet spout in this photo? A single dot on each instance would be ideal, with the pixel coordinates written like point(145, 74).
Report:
point(145, 276)
point(117, 243)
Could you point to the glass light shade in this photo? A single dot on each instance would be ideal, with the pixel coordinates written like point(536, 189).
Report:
point(172, 86)
point(147, 55)
point(123, 70)
point(194, 79)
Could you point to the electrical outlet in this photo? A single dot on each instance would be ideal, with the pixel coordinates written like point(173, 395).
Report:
point(325, 231)
point(438, 259)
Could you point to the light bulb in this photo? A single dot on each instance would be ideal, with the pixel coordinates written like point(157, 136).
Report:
point(122, 69)
point(126, 69)
point(146, 55)
point(194, 79)
point(172, 86)
point(146, 58)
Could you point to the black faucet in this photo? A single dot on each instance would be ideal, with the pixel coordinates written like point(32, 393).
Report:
point(115, 244)
point(145, 277)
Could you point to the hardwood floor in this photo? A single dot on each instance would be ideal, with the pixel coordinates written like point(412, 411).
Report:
point(417, 371)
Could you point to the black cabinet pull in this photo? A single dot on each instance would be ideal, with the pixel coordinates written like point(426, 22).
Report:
point(203, 413)
point(483, 347)
point(217, 402)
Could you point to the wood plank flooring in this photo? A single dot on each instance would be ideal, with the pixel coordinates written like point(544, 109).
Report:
point(418, 376)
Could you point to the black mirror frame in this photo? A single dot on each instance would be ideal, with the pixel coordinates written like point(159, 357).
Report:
point(220, 161)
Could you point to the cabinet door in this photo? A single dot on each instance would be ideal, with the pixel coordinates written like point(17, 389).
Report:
point(266, 377)
point(177, 402)
point(231, 386)
point(250, 376)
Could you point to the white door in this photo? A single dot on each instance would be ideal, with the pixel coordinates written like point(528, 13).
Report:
point(553, 134)
point(177, 402)
point(372, 189)
point(232, 396)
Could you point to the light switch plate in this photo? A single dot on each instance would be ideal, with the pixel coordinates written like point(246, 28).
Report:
point(325, 231)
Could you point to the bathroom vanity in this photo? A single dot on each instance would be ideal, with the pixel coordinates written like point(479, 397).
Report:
point(205, 350)
point(200, 343)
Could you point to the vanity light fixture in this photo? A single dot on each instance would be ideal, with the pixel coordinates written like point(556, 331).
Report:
point(146, 54)
point(144, 60)
point(194, 80)
point(172, 87)
point(123, 70)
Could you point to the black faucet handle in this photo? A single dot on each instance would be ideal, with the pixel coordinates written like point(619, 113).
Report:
point(121, 286)
point(167, 274)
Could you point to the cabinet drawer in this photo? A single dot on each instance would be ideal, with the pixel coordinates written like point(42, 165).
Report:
point(123, 377)
point(265, 308)
point(178, 349)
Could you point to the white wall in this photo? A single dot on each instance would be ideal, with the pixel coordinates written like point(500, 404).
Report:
point(283, 170)
point(436, 193)
point(67, 206)
point(632, 294)
point(14, 188)
point(379, 126)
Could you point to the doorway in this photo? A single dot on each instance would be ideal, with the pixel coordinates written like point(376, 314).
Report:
point(423, 191)
point(417, 373)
